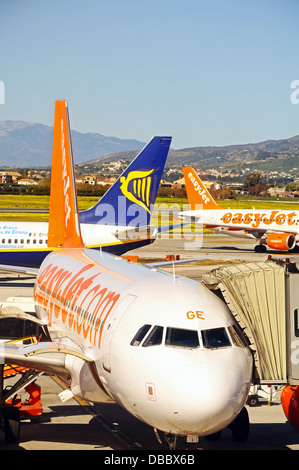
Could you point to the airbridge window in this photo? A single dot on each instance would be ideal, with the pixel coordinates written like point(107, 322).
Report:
point(181, 338)
point(215, 338)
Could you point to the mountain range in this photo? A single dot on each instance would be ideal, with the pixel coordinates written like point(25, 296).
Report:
point(24, 144)
point(271, 155)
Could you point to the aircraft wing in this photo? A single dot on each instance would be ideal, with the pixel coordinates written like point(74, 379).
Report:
point(45, 356)
point(19, 269)
point(175, 262)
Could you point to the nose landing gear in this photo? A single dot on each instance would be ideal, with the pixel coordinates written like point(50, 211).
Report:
point(260, 248)
point(239, 428)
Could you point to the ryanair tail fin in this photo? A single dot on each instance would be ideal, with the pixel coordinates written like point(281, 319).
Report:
point(197, 193)
point(64, 226)
point(135, 190)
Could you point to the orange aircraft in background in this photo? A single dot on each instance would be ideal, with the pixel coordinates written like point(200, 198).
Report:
point(277, 229)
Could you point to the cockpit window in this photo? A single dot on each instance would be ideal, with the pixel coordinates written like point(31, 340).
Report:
point(154, 338)
point(180, 338)
point(215, 338)
point(140, 335)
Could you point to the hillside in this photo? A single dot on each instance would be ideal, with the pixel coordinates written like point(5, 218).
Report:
point(24, 144)
point(269, 155)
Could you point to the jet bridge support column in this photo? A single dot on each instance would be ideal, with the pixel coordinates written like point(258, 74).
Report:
point(290, 394)
point(292, 327)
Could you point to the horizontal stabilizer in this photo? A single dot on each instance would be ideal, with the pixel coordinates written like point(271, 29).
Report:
point(135, 233)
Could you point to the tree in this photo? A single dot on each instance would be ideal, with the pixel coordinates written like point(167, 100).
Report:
point(253, 183)
point(252, 179)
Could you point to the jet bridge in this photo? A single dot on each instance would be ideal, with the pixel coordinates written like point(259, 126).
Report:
point(264, 299)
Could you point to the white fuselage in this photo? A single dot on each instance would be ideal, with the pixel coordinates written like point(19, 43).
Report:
point(164, 347)
point(26, 244)
point(253, 221)
point(34, 235)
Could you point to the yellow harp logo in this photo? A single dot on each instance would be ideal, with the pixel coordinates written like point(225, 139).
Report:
point(140, 187)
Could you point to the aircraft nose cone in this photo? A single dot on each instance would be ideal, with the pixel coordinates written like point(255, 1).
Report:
point(214, 396)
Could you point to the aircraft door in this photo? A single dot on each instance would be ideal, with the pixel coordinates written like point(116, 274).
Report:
point(111, 327)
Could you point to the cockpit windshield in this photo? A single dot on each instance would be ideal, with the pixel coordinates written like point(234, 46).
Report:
point(140, 335)
point(154, 338)
point(215, 338)
point(181, 338)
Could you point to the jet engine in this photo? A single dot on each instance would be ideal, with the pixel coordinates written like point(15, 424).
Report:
point(290, 405)
point(281, 241)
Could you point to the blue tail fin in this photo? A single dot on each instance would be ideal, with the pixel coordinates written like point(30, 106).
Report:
point(131, 198)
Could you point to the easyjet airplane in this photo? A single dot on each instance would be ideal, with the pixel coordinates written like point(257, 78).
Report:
point(163, 347)
point(117, 223)
point(277, 229)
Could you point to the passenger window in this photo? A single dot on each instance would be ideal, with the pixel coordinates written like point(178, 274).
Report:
point(180, 338)
point(215, 338)
point(154, 338)
point(140, 335)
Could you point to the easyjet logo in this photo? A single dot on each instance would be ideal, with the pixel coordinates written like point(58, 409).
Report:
point(256, 218)
point(199, 189)
point(136, 186)
point(80, 302)
point(65, 178)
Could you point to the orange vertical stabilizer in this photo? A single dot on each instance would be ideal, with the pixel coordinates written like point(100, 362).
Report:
point(197, 193)
point(64, 226)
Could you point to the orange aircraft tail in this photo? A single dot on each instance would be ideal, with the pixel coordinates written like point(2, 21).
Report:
point(64, 226)
point(197, 193)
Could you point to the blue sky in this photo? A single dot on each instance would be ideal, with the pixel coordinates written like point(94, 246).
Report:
point(206, 72)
